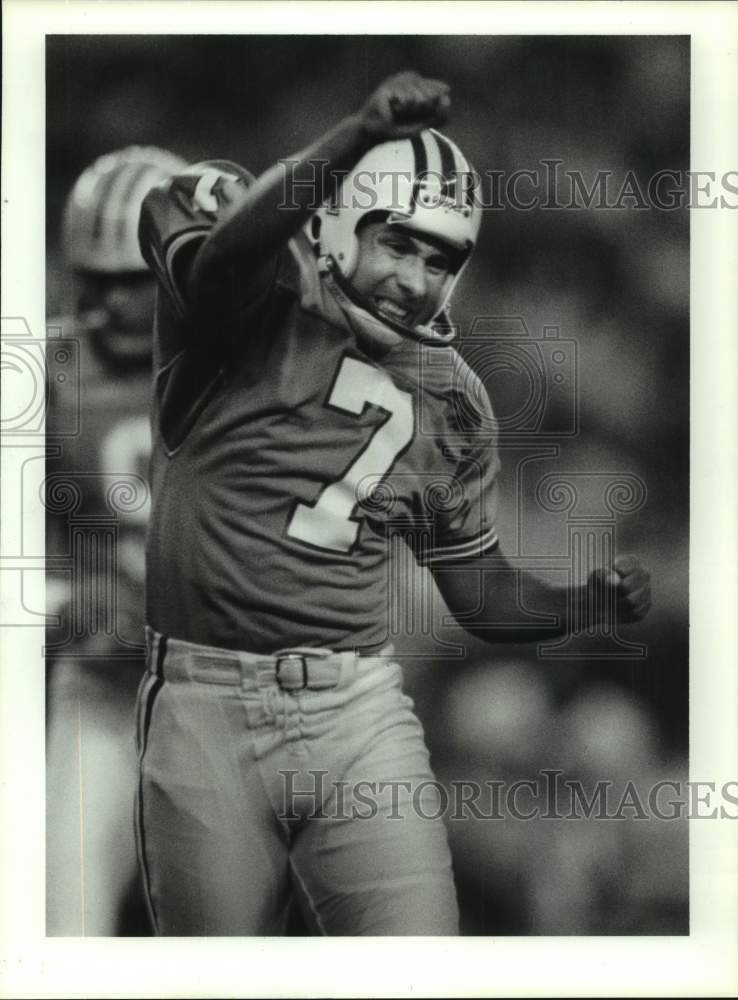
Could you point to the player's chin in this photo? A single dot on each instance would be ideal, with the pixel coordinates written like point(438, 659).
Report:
point(126, 344)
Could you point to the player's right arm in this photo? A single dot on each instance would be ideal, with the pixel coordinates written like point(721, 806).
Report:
point(264, 215)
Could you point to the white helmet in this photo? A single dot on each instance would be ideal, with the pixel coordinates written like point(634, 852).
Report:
point(100, 229)
point(425, 184)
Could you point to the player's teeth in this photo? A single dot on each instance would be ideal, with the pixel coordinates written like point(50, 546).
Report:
point(392, 309)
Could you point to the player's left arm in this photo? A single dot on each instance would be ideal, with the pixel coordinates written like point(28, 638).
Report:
point(483, 590)
point(489, 597)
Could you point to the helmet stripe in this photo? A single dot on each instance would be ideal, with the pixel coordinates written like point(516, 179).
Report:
point(434, 156)
point(421, 167)
point(103, 191)
point(113, 196)
point(462, 165)
point(448, 165)
point(128, 205)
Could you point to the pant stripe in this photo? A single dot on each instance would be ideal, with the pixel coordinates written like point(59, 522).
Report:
point(307, 898)
point(147, 708)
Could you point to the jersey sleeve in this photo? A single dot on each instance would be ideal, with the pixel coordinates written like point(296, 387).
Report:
point(176, 217)
point(458, 499)
point(469, 527)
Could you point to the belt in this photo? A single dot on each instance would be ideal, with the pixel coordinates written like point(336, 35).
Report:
point(296, 668)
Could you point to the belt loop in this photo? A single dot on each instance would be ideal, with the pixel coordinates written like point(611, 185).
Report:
point(255, 674)
point(149, 636)
point(349, 667)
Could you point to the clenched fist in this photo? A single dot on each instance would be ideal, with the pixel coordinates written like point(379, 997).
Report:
point(403, 106)
point(624, 589)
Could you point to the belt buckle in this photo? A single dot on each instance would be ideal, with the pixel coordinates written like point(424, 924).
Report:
point(292, 658)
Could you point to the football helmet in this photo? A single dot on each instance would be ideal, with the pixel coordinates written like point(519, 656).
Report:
point(100, 227)
point(425, 184)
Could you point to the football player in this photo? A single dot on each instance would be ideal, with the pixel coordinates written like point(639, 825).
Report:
point(95, 546)
point(309, 416)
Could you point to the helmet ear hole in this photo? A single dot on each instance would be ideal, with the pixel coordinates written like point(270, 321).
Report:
point(315, 227)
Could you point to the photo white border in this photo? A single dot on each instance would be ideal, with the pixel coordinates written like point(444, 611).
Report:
point(705, 963)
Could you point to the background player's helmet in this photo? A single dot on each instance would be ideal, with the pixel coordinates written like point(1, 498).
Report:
point(112, 291)
point(100, 230)
point(425, 184)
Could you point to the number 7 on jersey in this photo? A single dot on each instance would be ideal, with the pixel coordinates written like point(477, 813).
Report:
point(328, 523)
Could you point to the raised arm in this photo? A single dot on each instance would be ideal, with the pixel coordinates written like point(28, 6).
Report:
point(258, 221)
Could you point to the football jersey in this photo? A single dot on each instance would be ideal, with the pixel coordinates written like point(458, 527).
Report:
point(287, 455)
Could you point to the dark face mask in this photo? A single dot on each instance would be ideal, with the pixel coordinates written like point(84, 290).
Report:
point(116, 311)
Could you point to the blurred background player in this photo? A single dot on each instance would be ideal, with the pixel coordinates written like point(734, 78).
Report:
point(97, 509)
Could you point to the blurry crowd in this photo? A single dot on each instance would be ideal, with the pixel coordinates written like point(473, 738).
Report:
point(614, 284)
point(602, 862)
